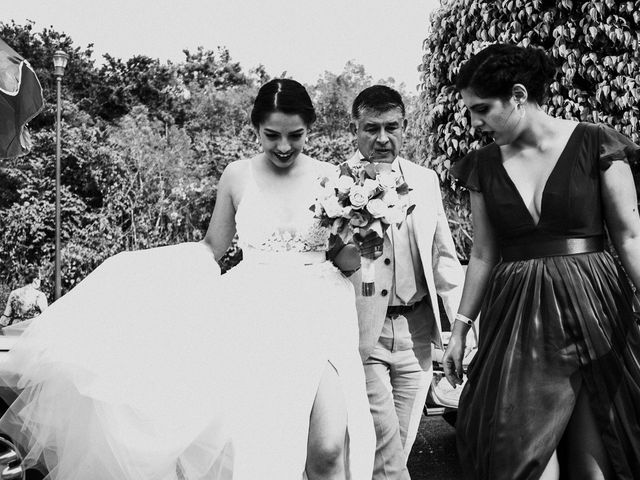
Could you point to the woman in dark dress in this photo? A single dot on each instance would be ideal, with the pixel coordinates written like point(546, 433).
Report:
point(554, 390)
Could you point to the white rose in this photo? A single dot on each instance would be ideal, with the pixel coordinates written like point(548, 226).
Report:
point(377, 208)
point(388, 180)
point(371, 186)
point(344, 183)
point(395, 215)
point(358, 196)
point(331, 206)
point(391, 198)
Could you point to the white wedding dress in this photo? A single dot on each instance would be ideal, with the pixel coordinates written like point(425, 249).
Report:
point(155, 367)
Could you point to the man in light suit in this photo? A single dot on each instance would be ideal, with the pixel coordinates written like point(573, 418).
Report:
point(417, 262)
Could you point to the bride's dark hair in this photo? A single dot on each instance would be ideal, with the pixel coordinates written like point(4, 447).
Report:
point(282, 95)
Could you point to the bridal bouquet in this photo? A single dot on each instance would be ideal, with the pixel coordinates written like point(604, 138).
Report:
point(364, 200)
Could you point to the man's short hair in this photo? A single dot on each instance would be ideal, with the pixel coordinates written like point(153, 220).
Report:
point(378, 98)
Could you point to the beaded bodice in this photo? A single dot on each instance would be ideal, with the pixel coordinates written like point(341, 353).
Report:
point(261, 224)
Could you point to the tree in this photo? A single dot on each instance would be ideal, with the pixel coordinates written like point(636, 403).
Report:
point(594, 43)
point(125, 84)
point(332, 97)
point(215, 68)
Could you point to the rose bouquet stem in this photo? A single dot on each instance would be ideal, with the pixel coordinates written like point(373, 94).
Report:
point(368, 272)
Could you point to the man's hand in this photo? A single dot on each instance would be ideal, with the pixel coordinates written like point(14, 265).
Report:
point(370, 245)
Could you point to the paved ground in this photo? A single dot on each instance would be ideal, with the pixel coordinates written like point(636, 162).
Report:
point(434, 455)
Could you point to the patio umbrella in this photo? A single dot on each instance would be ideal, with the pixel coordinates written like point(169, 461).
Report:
point(20, 100)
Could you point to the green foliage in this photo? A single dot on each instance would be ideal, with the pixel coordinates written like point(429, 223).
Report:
point(594, 43)
point(332, 97)
point(330, 149)
point(122, 85)
point(5, 290)
point(209, 68)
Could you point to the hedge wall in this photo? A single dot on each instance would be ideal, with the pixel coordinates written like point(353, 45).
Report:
point(595, 44)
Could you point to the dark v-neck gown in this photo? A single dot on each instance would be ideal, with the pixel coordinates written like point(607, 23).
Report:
point(550, 326)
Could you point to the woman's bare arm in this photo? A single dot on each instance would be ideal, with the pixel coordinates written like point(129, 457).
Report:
point(222, 226)
point(621, 213)
point(484, 256)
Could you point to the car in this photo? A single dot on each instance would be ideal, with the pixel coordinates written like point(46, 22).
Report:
point(443, 398)
point(6, 342)
point(10, 461)
point(11, 467)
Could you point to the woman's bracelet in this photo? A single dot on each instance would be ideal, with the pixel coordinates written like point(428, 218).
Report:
point(464, 319)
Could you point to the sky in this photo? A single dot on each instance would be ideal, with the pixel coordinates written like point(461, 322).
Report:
point(302, 37)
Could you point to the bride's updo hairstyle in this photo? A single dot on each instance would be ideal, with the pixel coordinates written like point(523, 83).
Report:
point(282, 95)
point(494, 70)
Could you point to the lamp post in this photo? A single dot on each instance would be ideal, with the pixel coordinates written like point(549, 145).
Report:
point(60, 59)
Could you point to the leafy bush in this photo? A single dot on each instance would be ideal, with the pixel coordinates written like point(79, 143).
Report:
point(594, 43)
point(5, 290)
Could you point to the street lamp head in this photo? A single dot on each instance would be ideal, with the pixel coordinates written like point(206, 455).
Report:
point(60, 59)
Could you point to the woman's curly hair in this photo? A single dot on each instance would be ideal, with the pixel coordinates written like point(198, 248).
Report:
point(493, 71)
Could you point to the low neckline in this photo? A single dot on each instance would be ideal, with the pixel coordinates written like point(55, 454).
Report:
point(252, 174)
point(556, 168)
point(260, 213)
point(258, 189)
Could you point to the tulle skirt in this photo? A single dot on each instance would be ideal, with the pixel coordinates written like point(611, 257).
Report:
point(156, 367)
point(551, 327)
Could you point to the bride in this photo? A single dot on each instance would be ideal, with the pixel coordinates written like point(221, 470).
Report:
point(155, 367)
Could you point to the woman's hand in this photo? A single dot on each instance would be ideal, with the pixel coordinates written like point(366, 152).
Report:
point(452, 359)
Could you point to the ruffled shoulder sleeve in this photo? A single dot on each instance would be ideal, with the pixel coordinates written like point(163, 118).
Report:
point(615, 147)
point(465, 171)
